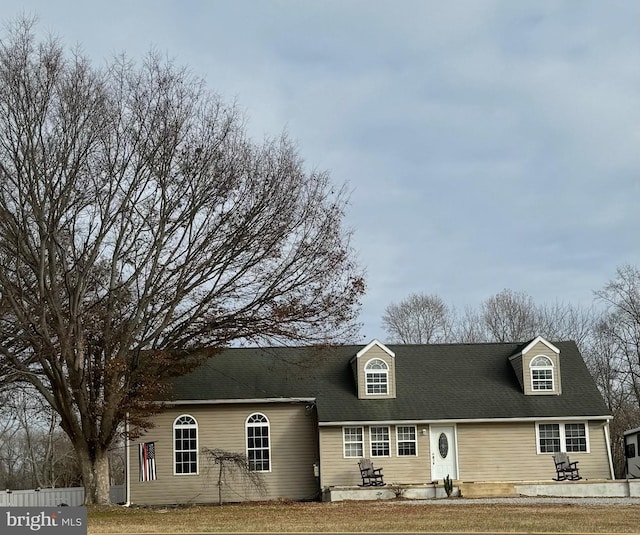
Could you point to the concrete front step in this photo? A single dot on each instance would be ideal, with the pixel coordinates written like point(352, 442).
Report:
point(500, 489)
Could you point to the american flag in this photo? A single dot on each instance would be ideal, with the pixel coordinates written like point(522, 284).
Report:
point(147, 461)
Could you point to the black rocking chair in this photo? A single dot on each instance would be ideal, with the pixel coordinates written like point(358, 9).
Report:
point(565, 469)
point(371, 477)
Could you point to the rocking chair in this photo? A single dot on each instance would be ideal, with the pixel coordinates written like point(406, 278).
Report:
point(565, 469)
point(371, 477)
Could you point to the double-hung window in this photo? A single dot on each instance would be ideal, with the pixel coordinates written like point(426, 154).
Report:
point(406, 440)
point(549, 438)
point(567, 437)
point(380, 441)
point(353, 441)
point(575, 437)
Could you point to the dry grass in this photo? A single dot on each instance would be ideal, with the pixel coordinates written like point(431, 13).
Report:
point(369, 517)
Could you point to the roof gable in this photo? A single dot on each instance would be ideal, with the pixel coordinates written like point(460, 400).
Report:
point(374, 343)
point(536, 340)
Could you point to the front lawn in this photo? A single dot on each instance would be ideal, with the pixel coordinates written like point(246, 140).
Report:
point(392, 516)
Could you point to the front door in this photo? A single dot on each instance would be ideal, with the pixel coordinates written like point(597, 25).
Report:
point(443, 452)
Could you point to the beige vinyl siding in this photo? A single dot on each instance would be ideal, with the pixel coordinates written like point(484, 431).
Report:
point(376, 352)
point(336, 470)
point(294, 450)
point(508, 452)
point(499, 452)
point(486, 452)
point(542, 349)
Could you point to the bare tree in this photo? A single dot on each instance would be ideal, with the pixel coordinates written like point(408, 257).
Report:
point(614, 358)
point(34, 452)
point(621, 325)
point(468, 327)
point(137, 220)
point(601, 356)
point(9, 429)
point(229, 463)
point(514, 316)
point(615, 383)
point(510, 316)
point(505, 317)
point(562, 321)
point(418, 319)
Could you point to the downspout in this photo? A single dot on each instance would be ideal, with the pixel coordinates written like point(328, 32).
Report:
point(608, 442)
point(127, 466)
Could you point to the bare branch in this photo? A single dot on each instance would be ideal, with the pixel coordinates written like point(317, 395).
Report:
point(137, 220)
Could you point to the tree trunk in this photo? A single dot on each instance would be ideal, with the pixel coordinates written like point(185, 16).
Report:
point(220, 482)
point(95, 476)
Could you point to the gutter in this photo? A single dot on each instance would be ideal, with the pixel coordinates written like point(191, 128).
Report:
point(127, 464)
point(235, 401)
point(609, 454)
point(465, 420)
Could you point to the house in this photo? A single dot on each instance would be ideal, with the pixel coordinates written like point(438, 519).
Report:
point(304, 416)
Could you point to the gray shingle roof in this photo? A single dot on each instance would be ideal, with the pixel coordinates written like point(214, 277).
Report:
point(433, 382)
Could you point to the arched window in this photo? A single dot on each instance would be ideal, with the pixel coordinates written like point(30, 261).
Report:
point(377, 377)
point(541, 373)
point(185, 445)
point(258, 443)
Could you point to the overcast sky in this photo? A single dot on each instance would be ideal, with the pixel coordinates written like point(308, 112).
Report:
point(487, 144)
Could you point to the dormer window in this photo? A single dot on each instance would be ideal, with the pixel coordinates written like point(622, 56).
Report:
point(374, 369)
point(377, 377)
point(537, 367)
point(541, 374)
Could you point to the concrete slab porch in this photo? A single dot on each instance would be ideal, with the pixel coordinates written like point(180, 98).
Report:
point(501, 489)
point(424, 491)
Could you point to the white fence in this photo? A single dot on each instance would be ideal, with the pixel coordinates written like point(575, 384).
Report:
point(53, 497)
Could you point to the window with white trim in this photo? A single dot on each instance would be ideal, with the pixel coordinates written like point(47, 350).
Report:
point(380, 441)
point(353, 441)
point(258, 443)
point(406, 440)
point(541, 374)
point(549, 438)
point(377, 377)
point(185, 445)
point(575, 437)
point(567, 437)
